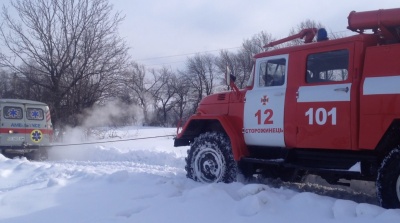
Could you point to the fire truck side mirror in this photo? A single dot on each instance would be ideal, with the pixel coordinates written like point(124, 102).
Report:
point(229, 76)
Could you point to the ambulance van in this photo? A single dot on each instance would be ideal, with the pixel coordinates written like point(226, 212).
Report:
point(25, 128)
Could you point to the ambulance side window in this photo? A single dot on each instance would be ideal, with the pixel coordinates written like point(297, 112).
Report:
point(12, 112)
point(272, 73)
point(34, 114)
point(329, 66)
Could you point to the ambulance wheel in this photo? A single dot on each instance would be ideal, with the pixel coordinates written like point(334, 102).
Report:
point(210, 159)
point(10, 155)
point(38, 155)
point(388, 180)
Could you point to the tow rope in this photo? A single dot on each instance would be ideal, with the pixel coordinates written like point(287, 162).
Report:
point(110, 141)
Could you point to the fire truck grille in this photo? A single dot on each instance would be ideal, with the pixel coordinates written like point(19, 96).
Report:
point(221, 97)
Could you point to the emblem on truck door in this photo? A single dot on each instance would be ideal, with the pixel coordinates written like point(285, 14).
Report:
point(264, 100)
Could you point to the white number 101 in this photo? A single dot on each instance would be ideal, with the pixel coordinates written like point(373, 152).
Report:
point(321, 116)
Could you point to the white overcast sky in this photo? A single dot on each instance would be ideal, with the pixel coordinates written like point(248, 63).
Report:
point(165, 28)
point(165, 32)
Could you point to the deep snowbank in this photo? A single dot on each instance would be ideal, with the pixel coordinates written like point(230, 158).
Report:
point(144, 181)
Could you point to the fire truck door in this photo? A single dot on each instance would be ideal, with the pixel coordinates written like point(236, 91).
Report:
point(323, 103)
point(264, 105)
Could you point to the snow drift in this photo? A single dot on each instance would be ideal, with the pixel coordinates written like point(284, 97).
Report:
point(144, 181)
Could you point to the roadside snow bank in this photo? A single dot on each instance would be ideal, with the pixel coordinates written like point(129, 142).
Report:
point(144, 181)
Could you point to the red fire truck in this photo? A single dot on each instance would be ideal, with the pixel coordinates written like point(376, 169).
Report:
point(322, 107)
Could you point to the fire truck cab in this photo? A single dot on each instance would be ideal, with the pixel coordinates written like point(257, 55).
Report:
point(322, 107)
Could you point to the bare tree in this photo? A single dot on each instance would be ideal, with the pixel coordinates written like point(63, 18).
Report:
point(164, 94)
point(63, 45)
point(201, 70)
point(181, 86)
point(137, 86)
point(240, 64)
point(6, 84)
point(256, 44)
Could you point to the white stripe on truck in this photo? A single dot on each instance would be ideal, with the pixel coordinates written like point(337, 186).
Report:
point(324, 93)
point(382, 85)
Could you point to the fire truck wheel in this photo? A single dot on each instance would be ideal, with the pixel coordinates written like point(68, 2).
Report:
point(388, 180)
point(210, 159)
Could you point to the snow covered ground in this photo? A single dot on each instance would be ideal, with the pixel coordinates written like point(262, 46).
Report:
point(144, 181)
